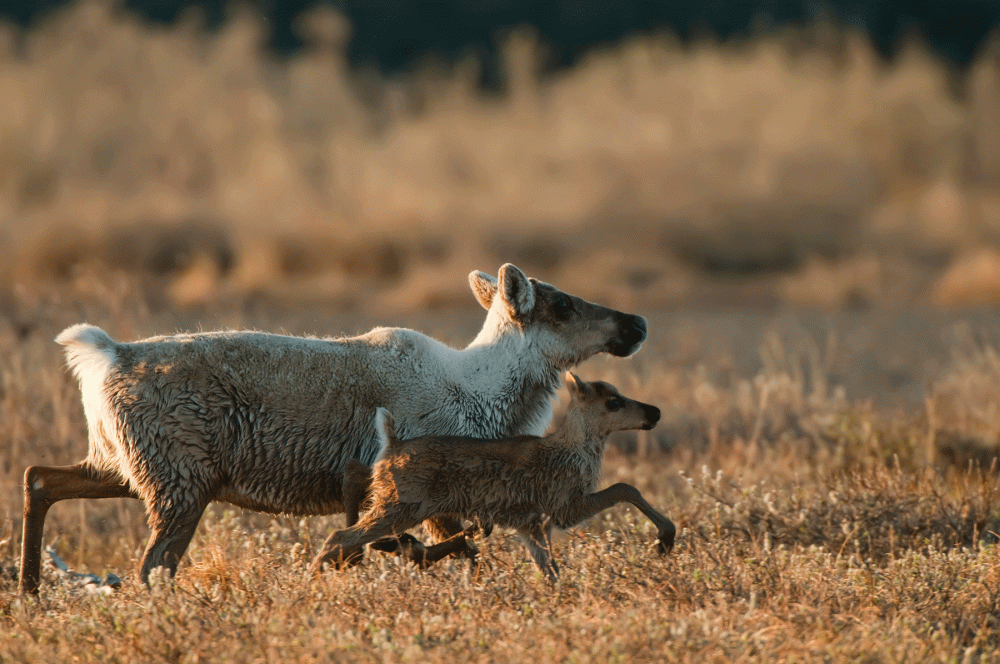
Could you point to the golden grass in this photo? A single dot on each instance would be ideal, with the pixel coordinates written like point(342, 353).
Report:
point(813, 524)
point(210, 171)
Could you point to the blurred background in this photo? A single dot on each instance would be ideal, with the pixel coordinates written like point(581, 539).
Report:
point(836, 155)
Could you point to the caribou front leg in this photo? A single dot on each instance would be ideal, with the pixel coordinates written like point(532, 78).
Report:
point(594, 503)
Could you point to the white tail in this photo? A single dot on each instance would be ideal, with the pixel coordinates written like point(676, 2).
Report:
point(89, 350)
point(385, 429)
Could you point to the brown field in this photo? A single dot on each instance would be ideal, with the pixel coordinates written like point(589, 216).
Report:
point(805, 227)
point(832, 477)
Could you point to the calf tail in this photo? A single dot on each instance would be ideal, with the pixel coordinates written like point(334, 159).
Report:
point(385, 430)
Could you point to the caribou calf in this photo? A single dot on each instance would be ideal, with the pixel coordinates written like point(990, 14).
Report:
point(528, 483)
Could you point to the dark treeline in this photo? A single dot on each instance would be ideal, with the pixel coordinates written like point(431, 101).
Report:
point(394, 35)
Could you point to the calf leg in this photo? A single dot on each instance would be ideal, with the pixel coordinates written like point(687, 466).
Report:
point(444, 528)
point(43, 487)
point(456, 545)
point(423, 556)
point(538, 538)
point(345, 546)
point(357, 486)
point(591, 504)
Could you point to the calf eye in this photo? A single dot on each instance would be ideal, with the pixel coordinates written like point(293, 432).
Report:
point(614, 404)
point(562, 307)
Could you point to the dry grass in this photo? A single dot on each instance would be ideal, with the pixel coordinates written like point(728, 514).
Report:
point(210, 171)
point(831, 472)
point(811, 524)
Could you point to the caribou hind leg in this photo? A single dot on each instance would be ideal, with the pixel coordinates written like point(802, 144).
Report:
point(44, 486)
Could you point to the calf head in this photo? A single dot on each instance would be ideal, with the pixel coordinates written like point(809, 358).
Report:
point(604, 409)
point(568, 329)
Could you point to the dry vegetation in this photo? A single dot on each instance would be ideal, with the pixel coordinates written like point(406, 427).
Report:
point(209, 171)
point(814, 525)
point(832, 474)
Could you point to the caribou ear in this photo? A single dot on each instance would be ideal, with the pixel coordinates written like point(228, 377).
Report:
point(518, 293)
point(577, 387)
point(484, 286)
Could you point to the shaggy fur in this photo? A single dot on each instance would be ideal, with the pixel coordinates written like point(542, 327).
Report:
point(529, 483)
point(270, 422)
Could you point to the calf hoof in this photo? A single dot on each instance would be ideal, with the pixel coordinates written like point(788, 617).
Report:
point(666, 540)
point(405, 546)
point(465, 549)
point(394, 544)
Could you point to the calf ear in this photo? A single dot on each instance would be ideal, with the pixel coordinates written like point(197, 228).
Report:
point(576, 386)
point(484, 286)
point(518, 293)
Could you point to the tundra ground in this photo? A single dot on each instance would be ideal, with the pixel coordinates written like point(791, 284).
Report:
point(831, 477)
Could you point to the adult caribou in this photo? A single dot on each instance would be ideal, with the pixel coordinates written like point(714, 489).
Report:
point(270, 423)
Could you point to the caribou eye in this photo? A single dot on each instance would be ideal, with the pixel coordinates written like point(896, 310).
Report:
point(562, 308)
point(614, 404)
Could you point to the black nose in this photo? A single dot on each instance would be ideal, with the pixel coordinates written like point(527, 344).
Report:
point(652, 414)
point(634, 329)
point(631, 333)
